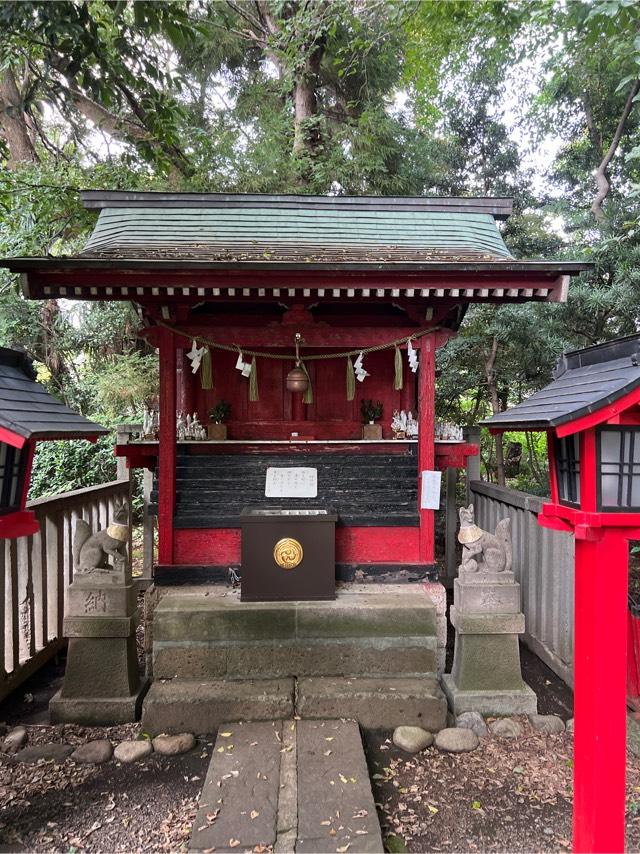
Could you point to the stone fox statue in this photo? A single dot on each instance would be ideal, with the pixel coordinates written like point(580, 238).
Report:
point(92, 551)
point(482, 551)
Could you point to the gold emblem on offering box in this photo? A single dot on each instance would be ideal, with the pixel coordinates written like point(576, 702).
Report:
point(288, 553)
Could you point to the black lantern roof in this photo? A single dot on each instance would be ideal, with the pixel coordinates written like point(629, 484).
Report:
point(584, 381)
point(28, 410)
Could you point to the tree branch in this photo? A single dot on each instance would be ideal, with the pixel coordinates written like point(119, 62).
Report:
point(602, 182)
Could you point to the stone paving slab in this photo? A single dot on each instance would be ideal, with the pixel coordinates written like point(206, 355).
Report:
point(239, 801)
point(336, 810)
point(287, 786)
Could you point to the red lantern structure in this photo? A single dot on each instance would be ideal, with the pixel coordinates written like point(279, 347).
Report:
point(591, 412)
point(28, 413)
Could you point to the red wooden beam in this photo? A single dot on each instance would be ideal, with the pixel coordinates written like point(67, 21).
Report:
point(167, 460)
point(20, 524)
point(184, 276)
point(610, 412)
point(278, 338)
point(426, 451)
point(11, 438)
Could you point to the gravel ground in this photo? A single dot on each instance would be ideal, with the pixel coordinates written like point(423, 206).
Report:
point(146, 806)
point(508, 795)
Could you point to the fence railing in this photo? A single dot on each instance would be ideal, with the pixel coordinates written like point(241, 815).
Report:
point(35, 573)
point(543, 562)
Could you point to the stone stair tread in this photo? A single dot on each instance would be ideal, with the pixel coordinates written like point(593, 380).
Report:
point(201, 705)
point(375, 702)
point(270, 659)
point(402, 611)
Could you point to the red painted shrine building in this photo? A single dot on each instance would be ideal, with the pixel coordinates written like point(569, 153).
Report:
point(241, 275)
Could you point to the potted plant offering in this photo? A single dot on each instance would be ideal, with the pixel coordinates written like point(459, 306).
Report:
point(218, 414)
point(371, 412)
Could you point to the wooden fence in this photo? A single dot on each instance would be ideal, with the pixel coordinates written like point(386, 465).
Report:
point(543, 562)
point(35, 573)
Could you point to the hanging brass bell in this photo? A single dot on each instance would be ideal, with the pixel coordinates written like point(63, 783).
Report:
point(297, 380)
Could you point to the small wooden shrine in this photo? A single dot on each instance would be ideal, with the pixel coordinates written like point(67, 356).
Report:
point(367, 288)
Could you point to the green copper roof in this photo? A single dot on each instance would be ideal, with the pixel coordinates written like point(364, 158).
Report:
point(210, 228)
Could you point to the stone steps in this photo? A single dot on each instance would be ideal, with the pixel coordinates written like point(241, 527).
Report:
point(371, 655)
point(287, 786)
point(370, 611)
point(273, 659)
point(376, 703)
point(201, 706)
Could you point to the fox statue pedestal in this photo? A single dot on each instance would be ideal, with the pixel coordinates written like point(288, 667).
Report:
point(486, 675)
point(102, 683)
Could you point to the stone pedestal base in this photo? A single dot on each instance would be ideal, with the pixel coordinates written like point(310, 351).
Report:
point(521, 701)
point(486, 676)
point(97, 711)
point(102, 682)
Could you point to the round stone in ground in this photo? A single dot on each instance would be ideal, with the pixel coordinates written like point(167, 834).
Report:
point(548, 724)
point(171, 745)
point(569, 726)
point(505, 728)
point(474, 721)
point(456, 740)
point(54, 752)
point(413, 739)
point(96, 751)
point(132, 751)
point(14, 740)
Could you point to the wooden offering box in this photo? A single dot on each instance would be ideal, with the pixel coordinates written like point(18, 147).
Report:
point(287, 555)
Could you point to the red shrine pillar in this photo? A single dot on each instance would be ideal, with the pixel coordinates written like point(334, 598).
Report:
point(600, 690)
point(167, 445)
point(600, 655)
point(426, 446)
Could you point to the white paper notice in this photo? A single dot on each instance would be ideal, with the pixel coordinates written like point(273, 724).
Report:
point(291, 483)
point(430, 492)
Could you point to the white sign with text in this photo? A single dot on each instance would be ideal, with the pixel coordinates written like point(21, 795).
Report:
point(430, 492)
point(291, 483)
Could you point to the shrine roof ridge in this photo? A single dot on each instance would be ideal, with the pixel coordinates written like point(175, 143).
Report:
point(598, 353)
point(500, 207)
point(585, 381)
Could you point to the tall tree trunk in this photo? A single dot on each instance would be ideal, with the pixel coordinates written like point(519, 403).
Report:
point(14, 122)
point(494, 398)
point(49, 354)
point(306, 137)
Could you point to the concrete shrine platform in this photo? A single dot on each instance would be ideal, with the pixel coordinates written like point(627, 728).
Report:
point(372, 655)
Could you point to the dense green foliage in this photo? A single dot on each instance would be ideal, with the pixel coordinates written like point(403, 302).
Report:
point(536, 100)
